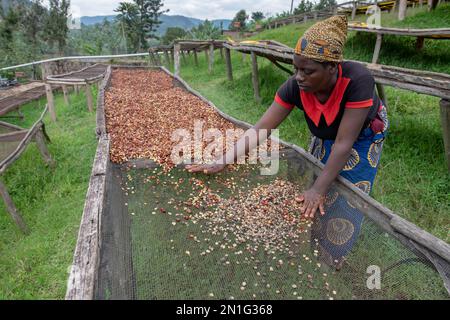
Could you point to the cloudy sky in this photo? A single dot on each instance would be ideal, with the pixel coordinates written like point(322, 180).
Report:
point(201, 9)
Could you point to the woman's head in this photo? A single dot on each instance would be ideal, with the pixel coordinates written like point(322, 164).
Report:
point(318, 53)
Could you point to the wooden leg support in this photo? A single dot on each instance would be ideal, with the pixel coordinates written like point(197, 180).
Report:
point(50, 102)
point(89, 98)
point(376, 51)
point(40, 142)
point(228, 63)
point(255, 77)
point(211, 58)
point(419, 43)
point(12, 209)
point(382, 94)
point(445, 120)
point(66, 95)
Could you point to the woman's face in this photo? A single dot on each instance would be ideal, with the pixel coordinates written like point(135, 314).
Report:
point(312, 76)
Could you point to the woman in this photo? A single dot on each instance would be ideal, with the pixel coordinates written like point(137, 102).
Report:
point(347, 121)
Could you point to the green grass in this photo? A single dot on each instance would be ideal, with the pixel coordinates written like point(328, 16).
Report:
point(395, 50)
point(51, 202)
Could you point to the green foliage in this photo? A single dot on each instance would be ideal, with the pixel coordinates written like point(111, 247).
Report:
point(128, 18)
point(205, 31)
point(283, 14)
point(32, 23)
point(239, 21)
point(323, 4)
point(304, 6)
point(173, 33)
point(139, 21)
point(56, 29)
point(101, 38)
point(257, 16)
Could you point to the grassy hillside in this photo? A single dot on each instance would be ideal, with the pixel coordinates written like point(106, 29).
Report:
point(398, 51)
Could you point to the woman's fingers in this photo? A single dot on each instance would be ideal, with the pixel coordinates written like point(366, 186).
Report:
point(300, 198)
point(322, 209)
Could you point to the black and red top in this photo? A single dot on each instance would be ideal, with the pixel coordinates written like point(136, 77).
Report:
point(355, 88)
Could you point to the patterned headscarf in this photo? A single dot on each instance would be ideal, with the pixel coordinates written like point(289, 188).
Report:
point(325, 40)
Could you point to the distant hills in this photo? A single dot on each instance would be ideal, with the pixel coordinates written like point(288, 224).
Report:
point(167, 22)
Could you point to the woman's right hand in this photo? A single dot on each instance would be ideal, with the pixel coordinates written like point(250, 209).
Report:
point(205, 168)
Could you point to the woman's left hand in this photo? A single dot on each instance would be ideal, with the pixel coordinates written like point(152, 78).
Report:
point(312, 200)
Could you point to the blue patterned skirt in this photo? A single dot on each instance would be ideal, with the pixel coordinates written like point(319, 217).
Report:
point(335, 233)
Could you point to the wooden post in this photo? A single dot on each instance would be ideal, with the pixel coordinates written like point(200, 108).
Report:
point(40, 142)
point(228, 63)
point(66, 95)
point(255, 77)
point(77, 89)
point(195, 58)
point(172, 56)
point(402, 10)
point(211, 57)
point(50, 101)
point(419, 43)
point(305, 18)
point(158, 59)
point(376, 51)
point(15, 215)
point(445, 120)
point(354, 10)
point(315, 15)
point(166, 56)
point(421, 3)
point(177, 59)
point(382, 94)
point(89, 97)
point(221, 53)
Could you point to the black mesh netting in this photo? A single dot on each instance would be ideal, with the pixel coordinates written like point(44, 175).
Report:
point(237, 235)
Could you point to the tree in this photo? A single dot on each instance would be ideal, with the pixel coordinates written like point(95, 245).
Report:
point(304, 6)
point(56, 29)
point(257, 16)
point(149, 13)
point(140, 20)
point(206, 31)
point(325, 4)
point(173, 33)
point(32, 22)
point(239, 21)
point(283, 14)
point(128, 18)
point(9, 21)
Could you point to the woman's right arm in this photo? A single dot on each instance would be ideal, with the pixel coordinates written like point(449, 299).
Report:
point(273, 117)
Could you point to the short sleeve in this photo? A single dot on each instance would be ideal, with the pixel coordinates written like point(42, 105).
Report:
point(288, 95)
point(361, 92)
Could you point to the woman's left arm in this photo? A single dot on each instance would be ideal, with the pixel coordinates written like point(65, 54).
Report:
point(349, 130)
